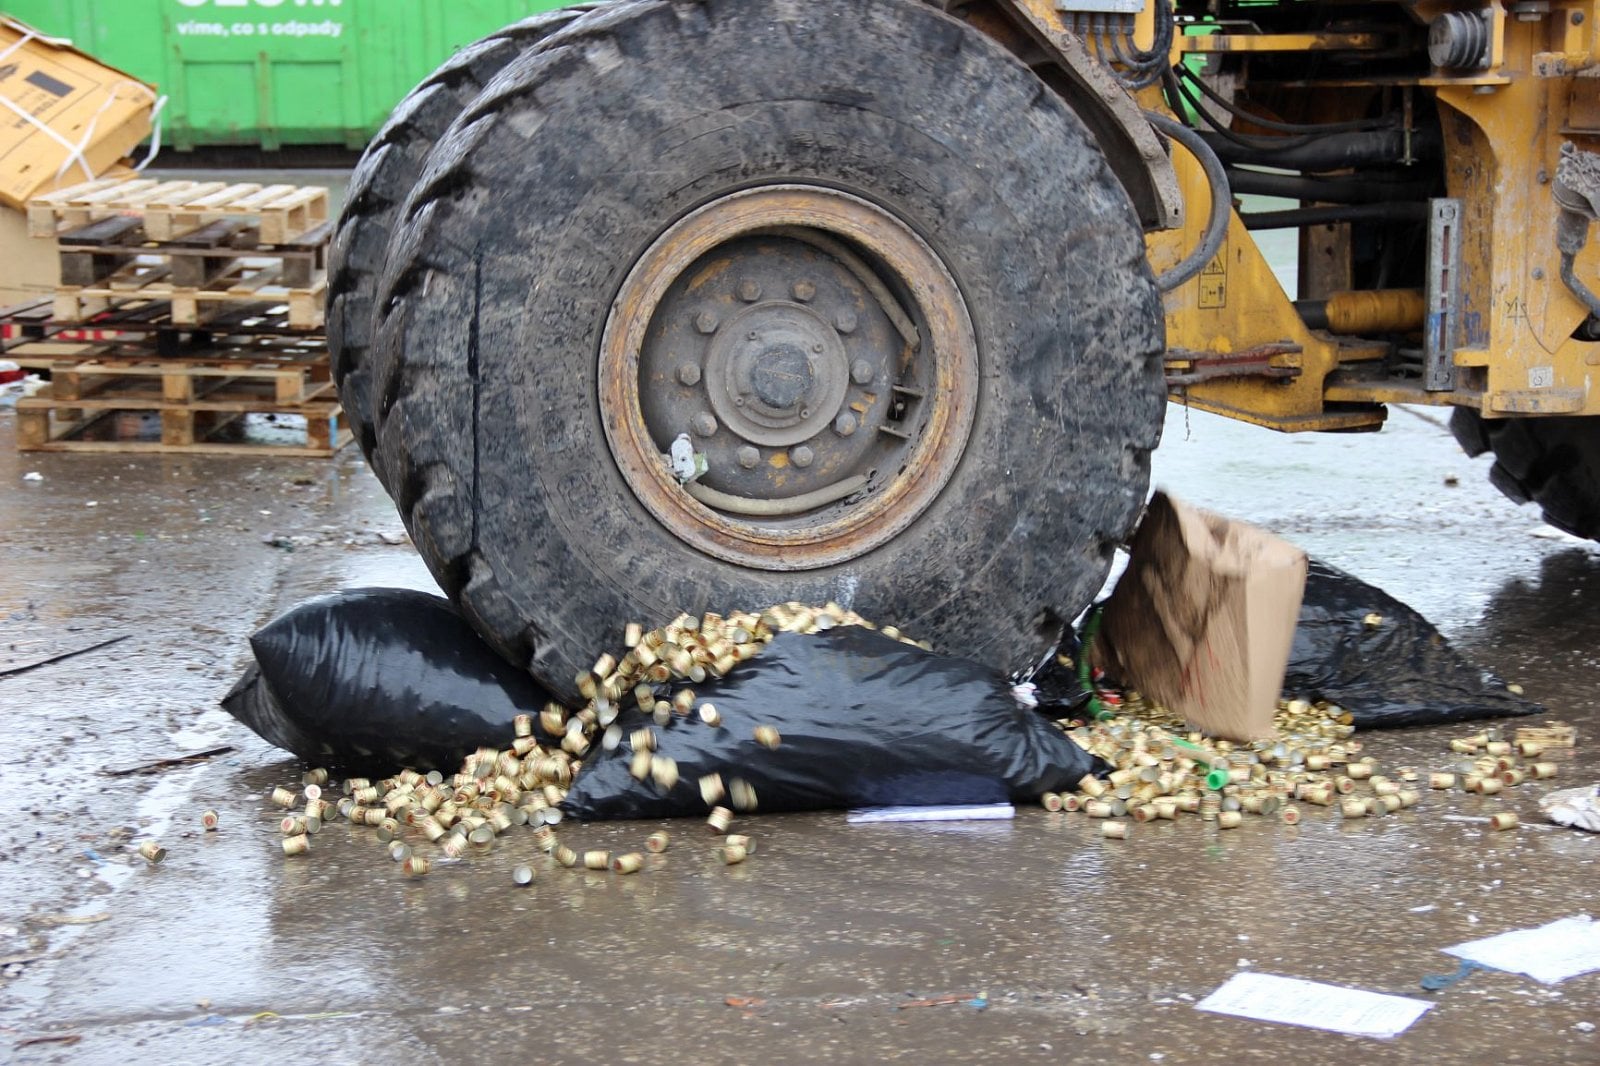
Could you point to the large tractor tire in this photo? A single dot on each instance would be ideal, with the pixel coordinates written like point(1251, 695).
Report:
point(385, 174)
point(874, 273)
point(1554, 462)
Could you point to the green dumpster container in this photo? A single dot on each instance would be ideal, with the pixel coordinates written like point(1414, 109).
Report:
point(274, 72)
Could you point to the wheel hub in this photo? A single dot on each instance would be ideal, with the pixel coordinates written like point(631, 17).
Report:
point(820, 358)
point(776, 373)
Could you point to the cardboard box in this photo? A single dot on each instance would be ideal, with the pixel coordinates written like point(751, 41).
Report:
point(65, 117)
point(29, 267)
point(1203, 619)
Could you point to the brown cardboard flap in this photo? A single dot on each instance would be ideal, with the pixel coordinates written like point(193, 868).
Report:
point(1203, 620)
point(65, 117)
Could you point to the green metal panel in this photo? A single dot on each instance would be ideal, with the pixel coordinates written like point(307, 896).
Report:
point(274, 72)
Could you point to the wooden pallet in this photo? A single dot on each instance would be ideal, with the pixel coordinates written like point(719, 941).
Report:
point(170, 209)
point(294, 379)
point(195, 423)
point(198, 399)
point(149, 323)
point(92, 254)
point(242, 282)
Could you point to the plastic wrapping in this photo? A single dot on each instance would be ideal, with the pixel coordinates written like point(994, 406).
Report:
point(379, 679)
point(862, 720)
point(1398, 672)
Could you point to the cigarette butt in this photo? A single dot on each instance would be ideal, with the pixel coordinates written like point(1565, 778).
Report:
point(1503, 820)
point(1114, 830)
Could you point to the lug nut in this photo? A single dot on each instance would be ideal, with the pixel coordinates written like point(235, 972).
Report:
point(704, 424)
point(845, 424)
point(804, 291)
point(689, 374)
point(705, 322)
point(749, 291)
point(801, 456)
point(845, 321)
point(749, 457)
point(861, 372)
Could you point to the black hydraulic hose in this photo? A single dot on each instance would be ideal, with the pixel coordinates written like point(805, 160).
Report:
point(1220, 131)
point(1336, 151)
point(1572, 233)
point(1316, 216)
point(1272, 124)
point(1576, 287)
point(1144, 68)
point(1352, 191)
point(1221, 201)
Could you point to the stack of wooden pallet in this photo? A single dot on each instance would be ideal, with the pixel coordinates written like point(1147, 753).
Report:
point(200, 245)
point(204, 304)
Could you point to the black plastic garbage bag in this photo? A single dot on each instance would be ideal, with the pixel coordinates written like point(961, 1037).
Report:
point(379, 679)
point(863, 720)
point(1400, 672)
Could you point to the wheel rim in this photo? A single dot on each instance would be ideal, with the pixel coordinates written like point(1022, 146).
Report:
point(818, 355)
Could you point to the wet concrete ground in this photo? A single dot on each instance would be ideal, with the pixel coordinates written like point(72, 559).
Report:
point(1085, 950)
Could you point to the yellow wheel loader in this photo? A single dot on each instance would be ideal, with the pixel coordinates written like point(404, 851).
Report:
point(682, 305)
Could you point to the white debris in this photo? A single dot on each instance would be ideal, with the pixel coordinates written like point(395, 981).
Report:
point(1548, 532)
point(1575, 807)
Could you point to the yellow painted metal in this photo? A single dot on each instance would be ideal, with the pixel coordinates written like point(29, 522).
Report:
point(1236, 303)
point(1503, 129)
point(1517, 316)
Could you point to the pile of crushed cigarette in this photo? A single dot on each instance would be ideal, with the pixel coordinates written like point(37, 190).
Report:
point(1161, 770)
point(421, 819)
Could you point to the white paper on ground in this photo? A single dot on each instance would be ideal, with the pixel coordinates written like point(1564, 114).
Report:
point(1550, 953)
point(977, 812)
point(1266, 997)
